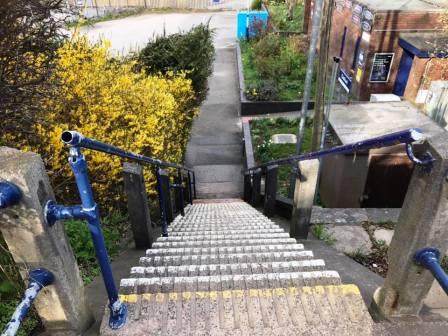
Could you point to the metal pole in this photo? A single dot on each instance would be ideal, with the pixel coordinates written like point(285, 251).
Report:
point(118, 310)
point(194, 185)
point(189, 188)
point(39, 278)
point(10, 194)
point(309, 72)
point(161, 203)
point(334, 75)
point(181, 192)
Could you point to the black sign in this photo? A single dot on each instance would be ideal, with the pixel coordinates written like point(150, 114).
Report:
point(382, 63)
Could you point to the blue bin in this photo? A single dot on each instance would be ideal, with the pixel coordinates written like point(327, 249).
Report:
point(245, 19)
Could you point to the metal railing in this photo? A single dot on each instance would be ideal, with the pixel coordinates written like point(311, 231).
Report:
point(253, 175)
point(88, 210)
point(407, 137)
point(38, 279)
point(429, 258)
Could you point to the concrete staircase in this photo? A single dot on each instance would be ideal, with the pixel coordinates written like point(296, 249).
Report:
point(224, 269)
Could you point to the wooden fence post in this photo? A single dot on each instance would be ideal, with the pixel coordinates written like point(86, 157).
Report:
point(423, 223)
point(303, 199)
point(270, 191)
point(138, 207)
point(256, 187)
point(32, 243)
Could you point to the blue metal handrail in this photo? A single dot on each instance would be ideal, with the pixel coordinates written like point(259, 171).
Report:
point(39, 278)
point(10, 194)
point(429, 258)
point(76, 139)
point(402, 137)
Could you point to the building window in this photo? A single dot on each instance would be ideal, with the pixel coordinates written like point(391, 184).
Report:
point(341, 52)
point(355, 54)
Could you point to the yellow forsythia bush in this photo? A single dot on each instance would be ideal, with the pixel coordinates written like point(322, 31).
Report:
point(105, 99)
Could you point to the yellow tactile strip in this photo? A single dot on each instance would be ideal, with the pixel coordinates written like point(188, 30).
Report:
point(319, 310)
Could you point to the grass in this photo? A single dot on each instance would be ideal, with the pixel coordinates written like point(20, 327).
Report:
point(114, 226)
point(289, 86)
point(264, 151)
point(320, 232)
point(278, 13)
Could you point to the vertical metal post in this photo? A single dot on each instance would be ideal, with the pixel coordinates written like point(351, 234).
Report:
point(161, 203)
point(189, 188)
point(309, 72)
point(247, 186)
point(270, 191)
point(256, 187)
point(118, 310)
point(180, 192)
point(194, 184)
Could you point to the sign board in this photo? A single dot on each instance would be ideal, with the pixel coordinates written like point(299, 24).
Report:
point(382, 63)
point(358, 74)
point(367, 20)
point(356, 14)
point(361, 58)
point(345, 80)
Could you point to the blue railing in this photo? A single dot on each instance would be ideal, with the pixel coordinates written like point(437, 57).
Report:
point(38, 279)
point(406, 137)
point(429, 258)
point(10, 194)
point(88, 209)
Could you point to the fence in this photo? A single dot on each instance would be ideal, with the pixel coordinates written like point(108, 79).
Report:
point(159, 4)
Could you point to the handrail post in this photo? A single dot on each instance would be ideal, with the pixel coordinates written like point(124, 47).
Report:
point(190, 193)
point(162, 202)
point(138, 208)
point(38, 279)
point(78, 163)
point(304, 198)
point(179, 192)
point(422, 223)
point(256, 188)
point(270, 191)
point(194, 185)
point(247, 187)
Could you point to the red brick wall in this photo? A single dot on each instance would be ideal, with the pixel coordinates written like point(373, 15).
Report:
point(383, 38)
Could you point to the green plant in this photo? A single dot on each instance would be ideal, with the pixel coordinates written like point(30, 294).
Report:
point(321, 232)
point(114, 227)
point(191, 52)
point(256, 5)
point(264, 90)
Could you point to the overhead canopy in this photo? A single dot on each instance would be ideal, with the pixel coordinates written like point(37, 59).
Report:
point(425, 45)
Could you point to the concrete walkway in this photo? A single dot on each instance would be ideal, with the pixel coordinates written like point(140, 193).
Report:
point(215, 147)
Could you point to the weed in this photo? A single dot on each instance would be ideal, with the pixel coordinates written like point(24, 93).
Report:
point(320, 232)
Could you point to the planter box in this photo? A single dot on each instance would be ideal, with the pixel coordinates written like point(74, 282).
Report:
point(249, 107)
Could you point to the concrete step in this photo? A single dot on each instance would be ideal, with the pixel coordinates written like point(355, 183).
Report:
point(226, 282)
point(228, 269)
point(183, 251)
point(199, 237)
point(322, 310)
point(233, 230)
point(223, 243)
point(209, 259)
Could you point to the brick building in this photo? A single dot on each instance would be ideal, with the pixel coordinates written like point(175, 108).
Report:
point(372, 36)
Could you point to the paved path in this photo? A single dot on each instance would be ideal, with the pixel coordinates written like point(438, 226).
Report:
point(215, 147)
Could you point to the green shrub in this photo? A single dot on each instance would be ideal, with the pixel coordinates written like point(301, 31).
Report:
point(191, 51)
point(114, 227)
point(264, 90)
point(256, 5)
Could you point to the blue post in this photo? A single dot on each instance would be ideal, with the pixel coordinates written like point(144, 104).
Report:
point(39, 278)
point(429, 258)
point(89, 211)
point(161, 197)
point(10, 194)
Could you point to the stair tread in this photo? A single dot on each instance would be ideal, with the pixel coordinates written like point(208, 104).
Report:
point(321, 310)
